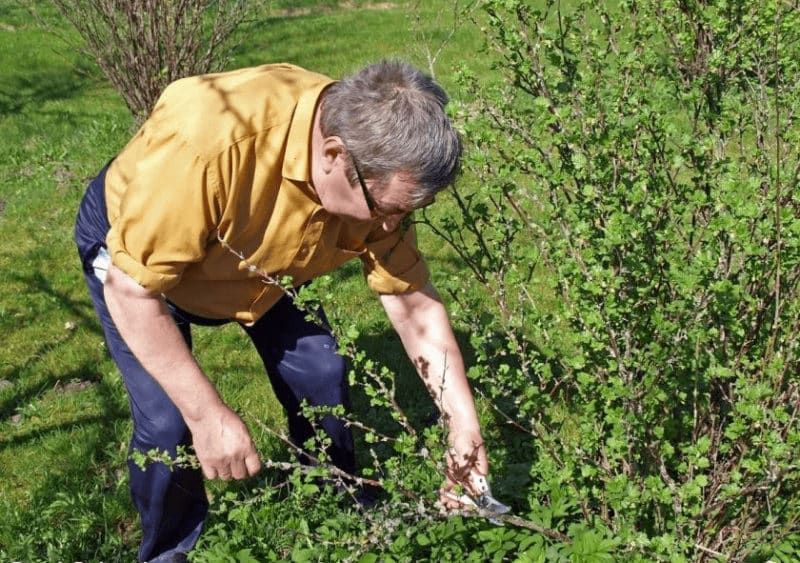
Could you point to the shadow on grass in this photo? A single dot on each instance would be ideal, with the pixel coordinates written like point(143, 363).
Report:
point(508, 472)
point(81, 506)
point(86, 372)
point(82, 309)
point(36, 87)
point(79, 421)
point(65, 464)
point(39, 283)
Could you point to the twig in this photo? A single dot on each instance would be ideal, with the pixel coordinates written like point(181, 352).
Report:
point(708, 550)
point(473, 512)
point(430, 509)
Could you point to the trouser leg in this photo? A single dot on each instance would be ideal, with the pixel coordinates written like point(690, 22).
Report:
point(172, 504)
point(302, 363)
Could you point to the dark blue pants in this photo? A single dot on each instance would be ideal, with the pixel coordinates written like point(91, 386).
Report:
point(300, 359)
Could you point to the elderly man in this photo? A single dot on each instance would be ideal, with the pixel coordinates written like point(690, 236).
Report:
point(270, 170)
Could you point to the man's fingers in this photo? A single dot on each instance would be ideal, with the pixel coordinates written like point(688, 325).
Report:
point(447, 495)
point(238, 469)
point(457, 472)
point(252, 464)
point(217, 470)
point(209, 472)
point(449, 500)
point(465, 472)
point(249, 467)
point(453, 501)
point(466, 459)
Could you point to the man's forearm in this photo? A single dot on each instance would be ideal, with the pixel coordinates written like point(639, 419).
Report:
point(221, 440)
point(147, 327)
point(439, 362)
point(421, 322)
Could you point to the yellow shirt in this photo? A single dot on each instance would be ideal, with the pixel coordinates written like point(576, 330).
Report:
point(228, 156)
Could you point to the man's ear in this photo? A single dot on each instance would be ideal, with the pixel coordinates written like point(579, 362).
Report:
point(332, 149)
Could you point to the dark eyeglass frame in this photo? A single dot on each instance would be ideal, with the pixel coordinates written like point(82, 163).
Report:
point(371, 205)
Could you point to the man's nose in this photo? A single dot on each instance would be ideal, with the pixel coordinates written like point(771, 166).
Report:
point(391, 222)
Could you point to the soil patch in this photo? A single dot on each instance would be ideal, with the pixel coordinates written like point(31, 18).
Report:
point(296, 12)
point(72, 386)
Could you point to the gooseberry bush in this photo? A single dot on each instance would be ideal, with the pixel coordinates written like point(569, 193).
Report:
point(636, 235)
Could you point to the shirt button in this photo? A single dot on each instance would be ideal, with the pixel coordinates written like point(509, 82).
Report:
point(303, 251)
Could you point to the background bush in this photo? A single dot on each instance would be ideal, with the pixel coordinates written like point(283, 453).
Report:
point(143, 45)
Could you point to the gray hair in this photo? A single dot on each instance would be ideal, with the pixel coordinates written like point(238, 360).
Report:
point(391, 119)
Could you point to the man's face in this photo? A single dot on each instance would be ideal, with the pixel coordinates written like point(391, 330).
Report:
point(364, 200)
point(389, 204)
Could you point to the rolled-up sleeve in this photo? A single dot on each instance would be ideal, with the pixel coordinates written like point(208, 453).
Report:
point(393, 263)
point(166, 212)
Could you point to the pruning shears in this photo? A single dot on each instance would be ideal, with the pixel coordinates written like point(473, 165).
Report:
point(482, 500)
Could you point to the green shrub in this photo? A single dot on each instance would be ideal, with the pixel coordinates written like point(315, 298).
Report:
point(629, 221)
point(637, 237)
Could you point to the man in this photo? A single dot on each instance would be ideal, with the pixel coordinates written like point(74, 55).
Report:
point(270, 170)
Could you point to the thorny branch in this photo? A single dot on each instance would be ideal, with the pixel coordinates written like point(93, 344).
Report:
point(456, 470)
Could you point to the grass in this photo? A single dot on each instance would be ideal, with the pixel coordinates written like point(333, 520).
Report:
point(63, 412)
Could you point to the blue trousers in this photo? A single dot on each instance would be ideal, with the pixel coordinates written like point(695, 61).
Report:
point(300, 360)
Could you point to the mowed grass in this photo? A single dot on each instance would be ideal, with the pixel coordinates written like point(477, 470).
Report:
point(64, 422)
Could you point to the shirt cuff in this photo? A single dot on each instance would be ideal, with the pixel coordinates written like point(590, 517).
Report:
point(382, 280)
point(155, 282)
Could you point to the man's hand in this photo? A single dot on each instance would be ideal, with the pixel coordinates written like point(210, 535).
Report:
point(223, 445)
point(221, 439)
point(466, 461)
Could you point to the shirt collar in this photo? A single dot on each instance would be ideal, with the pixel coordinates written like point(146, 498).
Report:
point(296, 164)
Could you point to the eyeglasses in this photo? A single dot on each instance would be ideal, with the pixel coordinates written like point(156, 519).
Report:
point(371, 205)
